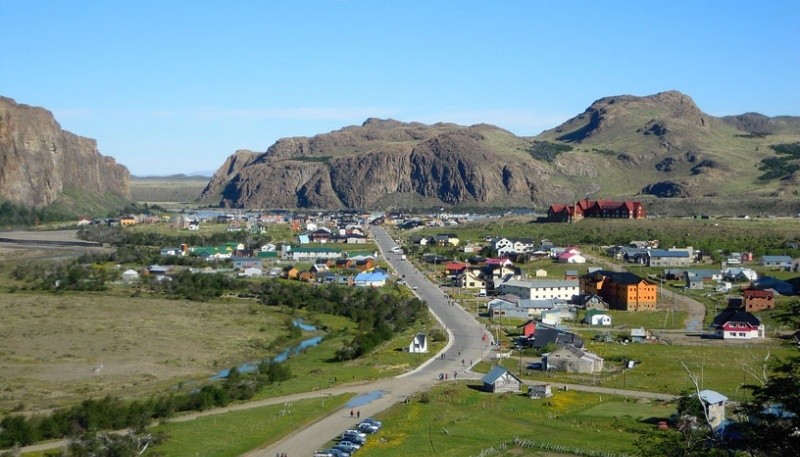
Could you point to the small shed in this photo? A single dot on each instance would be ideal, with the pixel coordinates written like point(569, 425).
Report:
point(539, 391)
point(419, 344)
point(714, 404)
point(499, 380)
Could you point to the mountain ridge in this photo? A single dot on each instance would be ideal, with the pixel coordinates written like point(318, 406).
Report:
point(620, 146)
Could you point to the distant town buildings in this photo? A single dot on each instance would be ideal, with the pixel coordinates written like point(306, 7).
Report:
point(605, 209)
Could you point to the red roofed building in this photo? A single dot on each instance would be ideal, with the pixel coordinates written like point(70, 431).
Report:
point(605, 209)
point(455, 268)
point(758, 300)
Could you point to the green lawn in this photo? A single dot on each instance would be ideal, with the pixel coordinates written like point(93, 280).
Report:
point(316, 370)
point(234, 433)
point(461, 421)
point(722, 368)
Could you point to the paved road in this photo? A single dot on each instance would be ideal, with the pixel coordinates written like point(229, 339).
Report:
point(467, 344)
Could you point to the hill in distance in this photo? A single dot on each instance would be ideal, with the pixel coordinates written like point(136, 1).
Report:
point(661, 145)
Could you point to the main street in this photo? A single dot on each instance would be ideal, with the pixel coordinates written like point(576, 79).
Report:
point(468, 343)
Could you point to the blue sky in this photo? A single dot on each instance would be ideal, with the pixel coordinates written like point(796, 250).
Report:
point(172, 86)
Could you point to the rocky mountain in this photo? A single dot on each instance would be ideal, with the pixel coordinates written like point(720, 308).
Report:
point(39, 161)
point(623, 146)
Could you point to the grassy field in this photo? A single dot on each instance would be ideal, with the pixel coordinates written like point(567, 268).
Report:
point(234, 433)
point(723, 367)
point(458, 420)
point(53, 345)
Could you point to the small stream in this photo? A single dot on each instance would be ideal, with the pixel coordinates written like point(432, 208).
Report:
point(251, 367)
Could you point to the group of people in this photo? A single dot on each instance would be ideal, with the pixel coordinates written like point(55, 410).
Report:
point(444, 376)
point(356, 413)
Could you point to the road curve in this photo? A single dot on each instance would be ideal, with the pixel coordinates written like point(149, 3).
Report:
point(466, 346)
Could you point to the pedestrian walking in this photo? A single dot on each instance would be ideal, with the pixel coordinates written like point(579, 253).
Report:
point(445, 376)
point(358, 414)
point(351, 414)
point(462, 362)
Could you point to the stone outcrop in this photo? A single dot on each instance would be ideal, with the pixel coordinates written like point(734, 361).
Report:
point(39, 160)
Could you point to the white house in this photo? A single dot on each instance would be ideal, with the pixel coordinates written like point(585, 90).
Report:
point(130, 276)
point(419, 344)
point(541, 289)
point(597, 317)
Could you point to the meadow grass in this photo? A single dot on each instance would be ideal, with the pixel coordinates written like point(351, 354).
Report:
point(234, 433)
point(458, 420)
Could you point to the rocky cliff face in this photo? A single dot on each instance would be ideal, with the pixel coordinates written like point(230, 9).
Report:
point(359, 166)
point(661, 145)
point(38, 160)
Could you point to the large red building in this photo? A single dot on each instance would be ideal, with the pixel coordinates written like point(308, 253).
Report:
point(606, 209)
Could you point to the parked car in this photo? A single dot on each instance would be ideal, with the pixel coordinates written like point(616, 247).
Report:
point(347, 446)
point(355, 432)
point(332, 452)
point(372, 421)
point(353, 438)
point(367, 428)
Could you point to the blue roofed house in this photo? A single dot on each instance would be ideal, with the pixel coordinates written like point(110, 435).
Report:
point(373, 278)
point(781, 262)
point(499, 380)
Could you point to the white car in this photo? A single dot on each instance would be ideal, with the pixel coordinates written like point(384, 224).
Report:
point(355, 432)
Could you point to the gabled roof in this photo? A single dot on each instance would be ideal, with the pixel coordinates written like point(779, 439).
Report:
point(496, 373)
point(735, 315)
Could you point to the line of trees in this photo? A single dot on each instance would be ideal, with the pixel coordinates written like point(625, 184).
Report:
point(379, 314)
point(112, 413)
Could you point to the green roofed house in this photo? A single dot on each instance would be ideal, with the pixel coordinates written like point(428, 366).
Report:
point(499, 380)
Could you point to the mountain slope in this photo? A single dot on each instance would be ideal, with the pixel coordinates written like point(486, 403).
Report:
point(40, 163)
point(620, 146)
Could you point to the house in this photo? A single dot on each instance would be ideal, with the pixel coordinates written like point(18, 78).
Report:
point(739, 274)
point(301, 253)
point(499, 380)
point(621, 290)
point(542, 273)
point(528, 328)
point(569, 275)
point(692, 281)
point(502, 308)
point(758, 300)
point(251, 272)
point(781, 262)
point(714, 404)
point(548, 335)
point(130, 276)
point(241, 263)
point(305, 276)
point(471, 278)
point(668, 257)
point(290, 272)
point(593, 302)
point(559, 212)
point(419, 344)
point(539, 391)
point(572, 360)
point(568, 257)
point(639, 335)
point(540, 289)
point(597, 317)
point(453, 269)
point(557, 314)
point(374, 278)
point(737, 324)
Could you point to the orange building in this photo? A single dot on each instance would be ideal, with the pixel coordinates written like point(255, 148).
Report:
point(622, 291)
